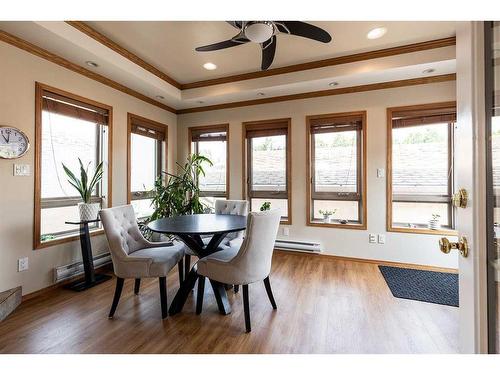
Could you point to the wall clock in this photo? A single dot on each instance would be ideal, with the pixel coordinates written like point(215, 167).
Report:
point(13, 143)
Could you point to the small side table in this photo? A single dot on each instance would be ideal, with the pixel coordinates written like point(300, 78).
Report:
point(91, 278)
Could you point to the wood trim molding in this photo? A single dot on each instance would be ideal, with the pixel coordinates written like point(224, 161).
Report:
point(49, 56)
point(228, 159)
point(389, 226)
point(153, 124)
point(409, 48)
point(244, 172)
point(96, 35)
point(364, 224)
point(332, 257)
point(318, 94)
point(39, 88)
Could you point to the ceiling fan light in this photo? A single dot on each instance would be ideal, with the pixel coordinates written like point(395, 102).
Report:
point(259, 32)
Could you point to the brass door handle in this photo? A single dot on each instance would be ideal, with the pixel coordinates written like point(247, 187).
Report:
point(446, 246)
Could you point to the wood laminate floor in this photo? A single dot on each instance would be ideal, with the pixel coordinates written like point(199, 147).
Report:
point(324, 306)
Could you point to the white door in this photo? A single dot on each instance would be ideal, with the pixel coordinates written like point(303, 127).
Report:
point(470, 173)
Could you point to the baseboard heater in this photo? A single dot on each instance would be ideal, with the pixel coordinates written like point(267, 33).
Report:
point(66, 272)
point(302, 246)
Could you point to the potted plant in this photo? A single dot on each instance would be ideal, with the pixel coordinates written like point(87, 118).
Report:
point(266, 206)
point(85, 187)
point(434, 222)
point(327, 215)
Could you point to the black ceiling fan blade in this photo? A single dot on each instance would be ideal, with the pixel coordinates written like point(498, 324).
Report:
point(237, 24)
point(268, 51)
point(305, 30)
point(236, 41)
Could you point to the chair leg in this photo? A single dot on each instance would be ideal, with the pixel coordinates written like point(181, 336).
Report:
point(116, 298)
point(236, 288)
point(137, 286)
point(163, 297)
point(180, 267)
point(267, 284)
point(246, 308)
point(187, 264)
point(199, 296)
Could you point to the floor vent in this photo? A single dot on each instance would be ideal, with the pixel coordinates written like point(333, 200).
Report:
point(74, 269)
point(303, 246)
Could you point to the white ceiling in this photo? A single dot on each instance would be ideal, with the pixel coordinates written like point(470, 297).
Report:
point(169, 46)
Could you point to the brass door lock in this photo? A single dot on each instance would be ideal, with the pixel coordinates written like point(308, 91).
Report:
point(459, 199)
point(446, 246)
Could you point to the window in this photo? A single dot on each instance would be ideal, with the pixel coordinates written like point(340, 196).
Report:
point(67, 127)
point(336, 173)
point(267, 171)
point(147, 143)
point(420, 168)
point(212, 142)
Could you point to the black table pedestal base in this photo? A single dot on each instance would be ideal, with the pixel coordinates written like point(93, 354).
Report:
point(83, 284)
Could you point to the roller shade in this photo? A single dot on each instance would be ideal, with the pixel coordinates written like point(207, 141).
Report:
point(211, 134)
point(266, 129)
point(335, 124)
point(146, 129)
point(408, 118)
point(54, 103)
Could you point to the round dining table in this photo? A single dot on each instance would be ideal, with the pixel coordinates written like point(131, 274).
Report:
point(189, 229)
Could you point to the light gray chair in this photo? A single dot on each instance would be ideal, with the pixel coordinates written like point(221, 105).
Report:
point(135, 257)
point(246, 264)
point(228, 207)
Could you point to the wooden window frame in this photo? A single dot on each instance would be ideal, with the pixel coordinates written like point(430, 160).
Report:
point(39, 89)
point(271, 125)
point(148, 124)
point(213, 129)
point(361, 173)
point(389, 196)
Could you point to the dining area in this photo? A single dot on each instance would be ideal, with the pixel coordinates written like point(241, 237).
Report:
point(232, 248)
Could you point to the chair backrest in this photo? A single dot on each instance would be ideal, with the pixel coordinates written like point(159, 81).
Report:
point(232, 207)
point(122, 231)
point(253, 261)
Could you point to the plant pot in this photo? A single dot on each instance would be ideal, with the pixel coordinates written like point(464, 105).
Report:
point(327, 219)
point(434, 224)
point(88, 211)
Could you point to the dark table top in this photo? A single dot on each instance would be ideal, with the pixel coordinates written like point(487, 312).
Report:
point(199, 224)
point(83, 222)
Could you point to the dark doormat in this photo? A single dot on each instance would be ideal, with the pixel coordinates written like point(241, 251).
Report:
point(426, 286)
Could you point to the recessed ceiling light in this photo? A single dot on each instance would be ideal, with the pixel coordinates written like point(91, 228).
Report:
point(332, 84)
point(200, 102)
point(261, 94)
point(210, 66)
point(429, 71)
point(376, 33)
point(92, 64)
point(160, 97)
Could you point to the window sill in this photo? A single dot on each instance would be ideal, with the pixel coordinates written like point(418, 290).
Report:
point(320, 224)
point(441, 232)
point(59, 241)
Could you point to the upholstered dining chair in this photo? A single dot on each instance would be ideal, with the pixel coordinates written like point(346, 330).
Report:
point(135, 257)
point(246, 264)
point(228, 207)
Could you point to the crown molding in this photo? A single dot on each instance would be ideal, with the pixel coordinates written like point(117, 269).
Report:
point(96, 35)
point(49, 56)
point(393, 51)
point(317, 94)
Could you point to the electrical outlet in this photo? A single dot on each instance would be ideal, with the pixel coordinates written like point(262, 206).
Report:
point(381, 238)
point(22, 264)
point(372, 238)
point(380, 172)
point(22, 170)
point(286, 231)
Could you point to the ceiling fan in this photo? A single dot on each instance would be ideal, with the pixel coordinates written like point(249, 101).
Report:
point(264, 33)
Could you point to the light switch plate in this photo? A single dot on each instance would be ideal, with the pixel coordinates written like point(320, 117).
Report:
point(286, 231)
point(22, 170)
point(22, 264)
point(380, 172)
point(381, 238)
point(372, 238)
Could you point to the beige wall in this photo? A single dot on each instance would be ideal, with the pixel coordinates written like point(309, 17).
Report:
point(18, 72)
point(410, 248)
